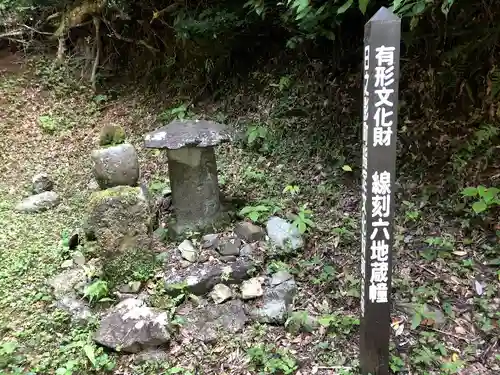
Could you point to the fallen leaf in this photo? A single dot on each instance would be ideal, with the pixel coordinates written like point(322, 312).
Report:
point(460, 253)
point(460, 330)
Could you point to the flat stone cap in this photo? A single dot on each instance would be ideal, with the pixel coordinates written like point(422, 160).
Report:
point(188, 133)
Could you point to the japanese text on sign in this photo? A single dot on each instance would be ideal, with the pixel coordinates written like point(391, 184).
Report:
point(384, 79)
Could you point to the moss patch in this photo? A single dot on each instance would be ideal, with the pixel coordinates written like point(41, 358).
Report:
point(112, 135)
point(128, 193)
point(131, 265)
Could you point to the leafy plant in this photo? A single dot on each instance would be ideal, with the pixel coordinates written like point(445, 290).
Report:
point(256, 137)
point(343, 324)
point(96, 291)
point(47, 123)
point(180, 112)
point(271, 360)
point(437, 246)
point(259, 212)
point(486, 198)
point(292, 189)
point(302, 221)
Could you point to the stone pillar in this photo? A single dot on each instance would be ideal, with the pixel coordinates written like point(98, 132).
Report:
point(195, 188)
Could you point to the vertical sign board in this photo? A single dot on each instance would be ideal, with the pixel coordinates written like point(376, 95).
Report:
point(380, 111)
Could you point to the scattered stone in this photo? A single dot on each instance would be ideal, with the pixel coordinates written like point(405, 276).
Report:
point(221, 293)
point(132, 287)
point(210, 241)
point(93, 185)
point(230, 247)
point(208, 323)
point(131, 326)
point(152, 355)
point(116, 166)
point(249, 232)
point(39, 202)
point(188, 251)
point(79, 310)
point(247, 251)
point(276, 305)
point(430, 312)
point(74, 240)
point(78, 258)
point(41, 182)
point(65, 282)
point(200, 278)
point(228, 258)
point(192, 169)
point(120, 219)
point(68, 263)
point(252, 288)
point(280, 277)
point(281, 232)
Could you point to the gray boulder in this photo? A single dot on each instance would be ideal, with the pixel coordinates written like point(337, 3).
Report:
point(41, 182)
point(208, 323)
point(281, 233)
point(39, 202)
point(115, 166)
point(131, 326)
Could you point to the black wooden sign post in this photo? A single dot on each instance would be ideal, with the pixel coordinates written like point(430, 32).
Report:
point(380, 112)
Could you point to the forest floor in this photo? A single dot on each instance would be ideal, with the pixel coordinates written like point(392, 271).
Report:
point(446, 266)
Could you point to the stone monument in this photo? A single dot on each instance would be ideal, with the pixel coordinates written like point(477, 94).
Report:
point(192, 170)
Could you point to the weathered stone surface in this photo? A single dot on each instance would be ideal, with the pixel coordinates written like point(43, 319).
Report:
point(152, 355)
point(208, 323)
point(132, 287)
point(79, 310)
point(131, 326)
point(39, 202)
point(230, 246)
point(210, 241)
point(188, 133)
point(252, 288)
point(64, 283)
point(68, 263)
point(221, 293)
point(228, 258)
point(276, 304)
point(281, 232)
point(247, 250)
point(78, 258)
point(249, 232)
point(120, 219)
point(188, 251)
point(116, 166)
point(41, 182)
point(195, 188)
point(200, 278)
point(280, 277)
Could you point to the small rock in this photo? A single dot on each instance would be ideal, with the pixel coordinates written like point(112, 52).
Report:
point(208, 322)
point(152, 355)
point(78, 258)
point(42, 182)
point(230, 247)
point(249, 232)
point(247, 251)
point(74, 240)
point(210, 241)
point(281, 232)
point(131, 326)
point(79, 310)
point(252, 288)
point(185, 263)
point(39, 202)
point(68, 263)
point(93, 185)
point(65, 282)
point(188, 251)
point(132, 287)
point(280, 277)
point(221, 293)
point(430, 312)
point(276, 305)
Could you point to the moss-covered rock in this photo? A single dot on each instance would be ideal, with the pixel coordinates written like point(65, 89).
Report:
point(115, 166)
point(112, 135)
point(119, 219)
